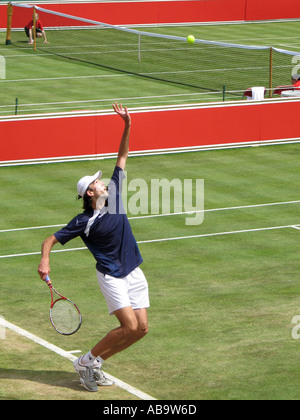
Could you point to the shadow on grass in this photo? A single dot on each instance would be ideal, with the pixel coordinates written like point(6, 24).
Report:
point(53, 378)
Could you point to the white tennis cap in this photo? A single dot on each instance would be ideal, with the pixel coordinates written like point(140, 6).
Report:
point(84, 182)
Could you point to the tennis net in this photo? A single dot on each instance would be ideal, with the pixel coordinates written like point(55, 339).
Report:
point(204, 65)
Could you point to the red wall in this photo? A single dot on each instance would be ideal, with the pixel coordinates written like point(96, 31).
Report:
point(158, 12)
point(99, 134)
point(126, 13)
point(272, 9)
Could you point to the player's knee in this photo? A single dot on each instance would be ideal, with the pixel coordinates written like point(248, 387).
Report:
point(143, 329)
point(130, 328)
point(135, 330)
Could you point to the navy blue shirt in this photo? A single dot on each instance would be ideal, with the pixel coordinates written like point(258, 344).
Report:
point(107, 233)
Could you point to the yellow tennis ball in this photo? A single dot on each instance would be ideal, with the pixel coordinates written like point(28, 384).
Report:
point(190, 39)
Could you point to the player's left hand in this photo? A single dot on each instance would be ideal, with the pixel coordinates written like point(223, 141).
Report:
point(123, 112)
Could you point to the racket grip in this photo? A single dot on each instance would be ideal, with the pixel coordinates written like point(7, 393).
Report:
point(47, 279)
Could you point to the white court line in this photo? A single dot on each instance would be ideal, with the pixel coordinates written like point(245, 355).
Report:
point(206, 235)
point(30, 228)
point(40, 79)
point(26, 254)
point(176, 238)
point(166, 214)
point(70, 357)
point(217, 209)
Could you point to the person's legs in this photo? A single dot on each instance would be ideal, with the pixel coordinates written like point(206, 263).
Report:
point(133, 327)
point(120, 294)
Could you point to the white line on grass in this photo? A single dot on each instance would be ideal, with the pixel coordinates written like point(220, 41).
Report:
point(26, 254)
point(176, 238)
point(217, 209)
point(166, 214)
point(70, 357)
point(30, 228)
point(39, 79)
point(205, 235)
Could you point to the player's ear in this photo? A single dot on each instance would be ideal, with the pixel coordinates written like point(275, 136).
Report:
point(89, 192)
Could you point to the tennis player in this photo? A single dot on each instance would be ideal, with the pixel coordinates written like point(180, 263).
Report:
point(39, 30)
point(104, 228)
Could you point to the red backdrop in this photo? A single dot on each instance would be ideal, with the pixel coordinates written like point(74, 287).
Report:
point(99, 134)
point(158, 12)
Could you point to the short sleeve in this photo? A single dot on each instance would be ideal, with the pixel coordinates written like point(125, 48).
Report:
point(73, 229)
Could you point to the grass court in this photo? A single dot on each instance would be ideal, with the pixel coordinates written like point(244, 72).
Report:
point(223, 293)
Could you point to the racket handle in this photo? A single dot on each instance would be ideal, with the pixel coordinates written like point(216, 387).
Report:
point(47, 280)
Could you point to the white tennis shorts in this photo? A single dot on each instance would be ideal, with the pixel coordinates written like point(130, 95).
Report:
point(131, 290)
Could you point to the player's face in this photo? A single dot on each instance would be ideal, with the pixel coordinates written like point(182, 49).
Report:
point(99, 189)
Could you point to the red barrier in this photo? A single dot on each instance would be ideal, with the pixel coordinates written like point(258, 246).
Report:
point(159, 12)
point(56, 137)
point(272, 9)
point(130, 13)
point(167, 129)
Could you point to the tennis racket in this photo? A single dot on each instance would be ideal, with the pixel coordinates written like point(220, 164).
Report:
point(64, 314)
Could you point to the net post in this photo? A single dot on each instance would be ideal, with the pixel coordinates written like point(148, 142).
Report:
point(9, 20)
point(34, 28)
point(271, 72)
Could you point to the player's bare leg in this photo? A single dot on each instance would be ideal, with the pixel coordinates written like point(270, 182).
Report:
point(133, 327)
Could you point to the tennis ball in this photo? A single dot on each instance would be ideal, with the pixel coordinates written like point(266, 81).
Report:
point(190, 39)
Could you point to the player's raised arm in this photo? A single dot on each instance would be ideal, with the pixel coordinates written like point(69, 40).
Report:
point(124, 145)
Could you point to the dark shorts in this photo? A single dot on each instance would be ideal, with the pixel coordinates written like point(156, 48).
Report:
point(36, 31)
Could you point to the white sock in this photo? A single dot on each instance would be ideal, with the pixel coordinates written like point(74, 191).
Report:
point(88, 359)
point(98, 360)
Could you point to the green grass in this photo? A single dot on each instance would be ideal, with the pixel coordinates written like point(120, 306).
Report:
point(221, 306)
point(47, 82)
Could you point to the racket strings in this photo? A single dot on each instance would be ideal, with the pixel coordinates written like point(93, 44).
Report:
point(65, 317)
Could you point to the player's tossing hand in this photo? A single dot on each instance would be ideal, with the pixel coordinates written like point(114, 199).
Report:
point(123, 112)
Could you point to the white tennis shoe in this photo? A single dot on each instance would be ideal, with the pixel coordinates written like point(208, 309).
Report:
point(86, 375)
point(99, 376)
